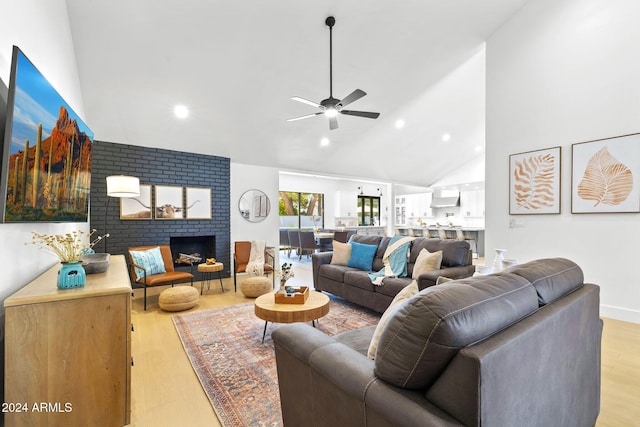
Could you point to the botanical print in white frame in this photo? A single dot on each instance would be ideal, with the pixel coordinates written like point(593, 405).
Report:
point(169, 202)
point(535, 182)
point(137, 207)
point(198, 203)
point(605, 175)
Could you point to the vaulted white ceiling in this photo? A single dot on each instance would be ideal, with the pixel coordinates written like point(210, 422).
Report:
point(236, 64)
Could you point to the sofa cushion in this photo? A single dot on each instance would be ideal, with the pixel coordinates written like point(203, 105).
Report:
point(442, 279)
point(333, 272)
point(357, 339)
point(427, 330)
point(552, 278)
point(358, 279)
point(425, 262)
point(362, 256)
point(341, 253)
point(392, 285)
point(454, 252)
point(407, 292)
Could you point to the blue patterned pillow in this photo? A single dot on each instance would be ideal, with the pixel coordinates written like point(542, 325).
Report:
point(151, 260)
point(362, 256)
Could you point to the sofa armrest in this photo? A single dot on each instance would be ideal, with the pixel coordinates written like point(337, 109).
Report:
point(429, 278)
point(326, 383)
point(318, 259)
point(319, 378)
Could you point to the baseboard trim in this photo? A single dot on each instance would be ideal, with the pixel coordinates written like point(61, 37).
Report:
point(619, 313)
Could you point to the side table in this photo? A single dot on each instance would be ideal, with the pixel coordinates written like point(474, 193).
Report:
point(207, 271)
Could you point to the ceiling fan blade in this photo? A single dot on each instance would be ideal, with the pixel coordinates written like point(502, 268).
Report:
point(333, 123)
point(304, 117)
point(367, 114)
point(305, 101)
point(353, 96)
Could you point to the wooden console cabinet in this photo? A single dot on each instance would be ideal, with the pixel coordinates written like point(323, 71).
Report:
point(68, 352)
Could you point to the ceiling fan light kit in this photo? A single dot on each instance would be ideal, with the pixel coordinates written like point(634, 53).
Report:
point(332, 107)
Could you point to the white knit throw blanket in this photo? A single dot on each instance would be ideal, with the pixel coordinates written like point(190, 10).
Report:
point(255, 265)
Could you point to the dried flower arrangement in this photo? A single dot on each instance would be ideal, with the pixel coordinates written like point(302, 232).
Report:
point(67, 247)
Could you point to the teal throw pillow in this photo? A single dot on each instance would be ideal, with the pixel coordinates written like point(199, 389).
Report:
point(151, 260)
point(362, 256)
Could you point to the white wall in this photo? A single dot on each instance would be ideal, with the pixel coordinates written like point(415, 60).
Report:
point(562, 72)
point(249, 177)
point(41, 29)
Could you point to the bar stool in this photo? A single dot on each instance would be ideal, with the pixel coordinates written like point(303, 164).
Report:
point(472, 241)
point(442, 234)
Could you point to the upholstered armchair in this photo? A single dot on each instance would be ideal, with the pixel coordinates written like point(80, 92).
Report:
point(153, 266)
point(241, 256)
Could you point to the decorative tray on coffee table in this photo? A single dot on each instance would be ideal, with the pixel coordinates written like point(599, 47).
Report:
point(298, 297)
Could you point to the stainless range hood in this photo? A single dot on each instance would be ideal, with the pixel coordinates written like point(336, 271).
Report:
point(445, 202)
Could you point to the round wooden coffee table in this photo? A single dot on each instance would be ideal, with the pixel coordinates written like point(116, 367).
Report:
point(316, 306)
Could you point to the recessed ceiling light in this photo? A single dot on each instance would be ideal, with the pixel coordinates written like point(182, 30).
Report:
point(324, 142)
point(446, 137)
point(399, 123)
point(478, 148)
point(181, 111)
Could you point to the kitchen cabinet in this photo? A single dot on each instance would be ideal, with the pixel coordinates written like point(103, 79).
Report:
point(410, 207)
point(472, 203)
point(68, 351)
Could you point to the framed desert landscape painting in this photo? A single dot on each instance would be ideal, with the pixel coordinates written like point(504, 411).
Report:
point(137, 207)
point(168, 202)
point(198, 203)
point(605, 175)
point(47, 151)
point(534, 182)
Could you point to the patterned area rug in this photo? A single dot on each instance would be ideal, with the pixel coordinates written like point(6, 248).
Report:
point(238, 371)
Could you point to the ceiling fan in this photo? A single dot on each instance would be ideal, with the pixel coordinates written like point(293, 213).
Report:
point(331, 106)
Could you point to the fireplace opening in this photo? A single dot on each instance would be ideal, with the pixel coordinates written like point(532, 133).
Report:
point(194, 247)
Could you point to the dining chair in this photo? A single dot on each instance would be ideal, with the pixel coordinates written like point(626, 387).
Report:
point(285, 245)
point(341, 236)
point(294, 241)
point(308, 243)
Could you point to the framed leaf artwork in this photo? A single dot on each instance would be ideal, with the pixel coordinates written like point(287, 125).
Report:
point(605, 175)
point(534, 182)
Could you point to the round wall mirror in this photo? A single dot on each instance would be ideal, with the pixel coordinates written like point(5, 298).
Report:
point(254, 205)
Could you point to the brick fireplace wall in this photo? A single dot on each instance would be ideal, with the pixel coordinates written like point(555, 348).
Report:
point(159, 167)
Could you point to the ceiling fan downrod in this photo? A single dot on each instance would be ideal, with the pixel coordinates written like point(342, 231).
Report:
point(330, 21)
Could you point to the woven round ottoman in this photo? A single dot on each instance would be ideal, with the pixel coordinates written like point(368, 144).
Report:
point(255, 286)
point(178, 298)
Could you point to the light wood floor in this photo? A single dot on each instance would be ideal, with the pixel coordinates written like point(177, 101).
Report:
point(166, 391)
